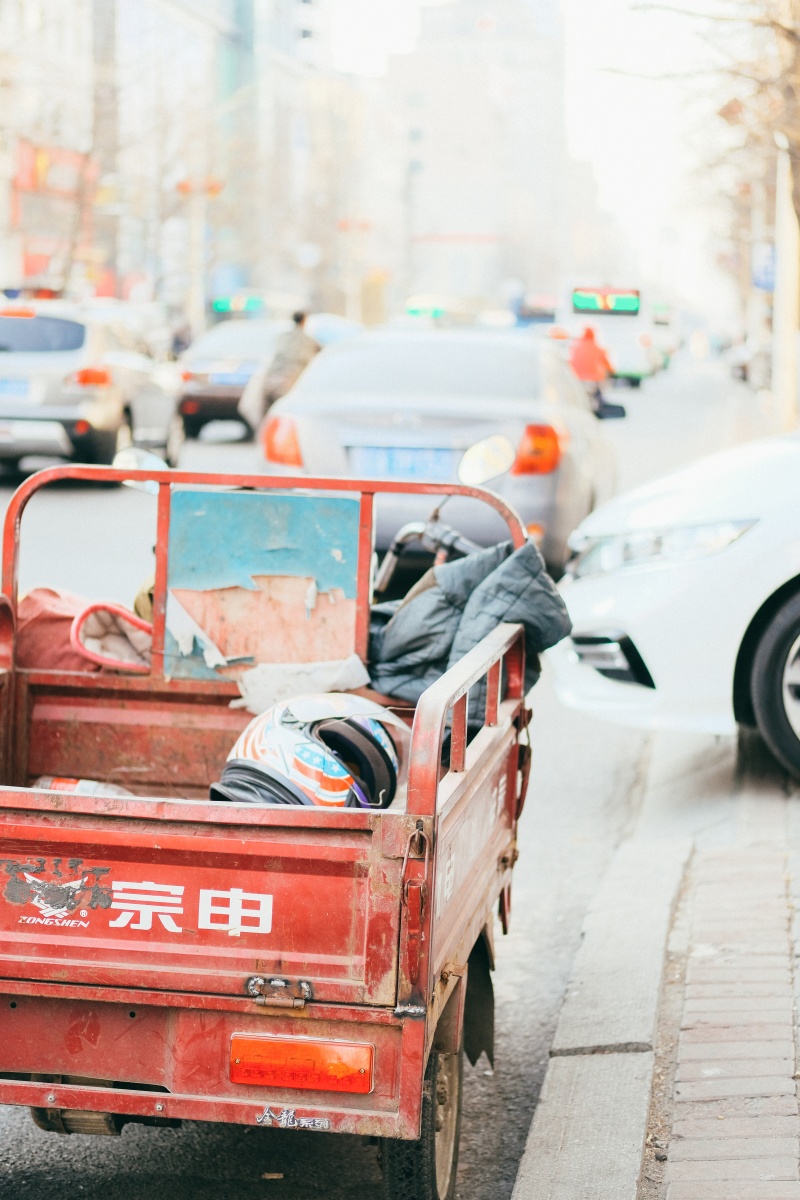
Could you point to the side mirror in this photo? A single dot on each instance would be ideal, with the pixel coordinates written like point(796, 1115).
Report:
point(486, 460)
point(610, 412)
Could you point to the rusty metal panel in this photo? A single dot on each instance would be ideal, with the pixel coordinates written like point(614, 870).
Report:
point(177, 744)
point(186, 1052)
point(259, 577)
point(475, 843)
point(117, 902)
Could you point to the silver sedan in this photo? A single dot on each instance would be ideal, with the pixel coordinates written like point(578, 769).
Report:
point(79, 383)
point(403, 405)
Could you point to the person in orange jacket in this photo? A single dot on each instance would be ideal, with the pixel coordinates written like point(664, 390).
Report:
point(590, 363)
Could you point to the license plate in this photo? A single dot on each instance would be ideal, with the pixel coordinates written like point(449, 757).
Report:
point(399, 462)
point(13, 387)
point(228, 379)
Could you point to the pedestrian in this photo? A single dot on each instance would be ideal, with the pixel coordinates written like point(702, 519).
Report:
point(294, 350)
point(591, 364)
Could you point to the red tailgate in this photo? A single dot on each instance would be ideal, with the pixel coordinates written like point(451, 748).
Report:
point(188, 897)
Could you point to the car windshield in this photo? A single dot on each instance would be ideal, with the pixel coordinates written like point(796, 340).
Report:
point(243, 338)
point(32, 335)
point(462, 367)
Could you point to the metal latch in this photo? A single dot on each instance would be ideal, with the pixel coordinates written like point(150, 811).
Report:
point(415, 893)
point(279, 993)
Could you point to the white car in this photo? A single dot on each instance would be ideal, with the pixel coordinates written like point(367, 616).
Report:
point(685, 601)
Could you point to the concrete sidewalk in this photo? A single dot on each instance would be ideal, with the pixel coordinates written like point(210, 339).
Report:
point(734, 1116)
point(673, 1067)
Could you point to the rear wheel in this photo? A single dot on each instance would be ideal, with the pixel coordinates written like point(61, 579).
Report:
point(775, 685)
point(106, 443)
point(192, 426)
point(426, 1169)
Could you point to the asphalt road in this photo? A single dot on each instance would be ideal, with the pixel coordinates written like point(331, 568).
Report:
point(588, 781)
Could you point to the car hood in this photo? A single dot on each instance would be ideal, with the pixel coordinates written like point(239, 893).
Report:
point(748, 482)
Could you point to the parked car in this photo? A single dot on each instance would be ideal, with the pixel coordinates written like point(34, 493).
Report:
point(685, 600)
point(217, 366)
point(403, 405)
point(79, 384)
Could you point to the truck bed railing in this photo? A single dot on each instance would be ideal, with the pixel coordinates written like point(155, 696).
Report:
point(499, 656)
point(167, 481)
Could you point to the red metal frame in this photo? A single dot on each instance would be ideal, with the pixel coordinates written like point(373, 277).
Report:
point(367, 489)
point(434, 882)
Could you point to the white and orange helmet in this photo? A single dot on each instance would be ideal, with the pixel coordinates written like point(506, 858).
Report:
point(331, 750)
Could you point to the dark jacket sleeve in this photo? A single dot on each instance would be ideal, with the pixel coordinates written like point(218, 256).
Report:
point(519, 590)
point(472, 595)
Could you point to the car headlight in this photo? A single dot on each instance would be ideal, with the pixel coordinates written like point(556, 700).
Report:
point(650, 547)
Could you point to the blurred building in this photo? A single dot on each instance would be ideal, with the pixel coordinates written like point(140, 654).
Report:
point(479, 154)
point(185, 149)
point(46, 117)
point(598, 250)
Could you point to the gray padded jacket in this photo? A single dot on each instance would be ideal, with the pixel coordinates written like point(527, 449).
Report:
point(414, 641)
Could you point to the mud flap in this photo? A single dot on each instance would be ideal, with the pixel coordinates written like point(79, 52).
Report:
point(479, 1005)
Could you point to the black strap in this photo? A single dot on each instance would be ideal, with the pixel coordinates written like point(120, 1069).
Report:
point(246, 782)
point(359, 749)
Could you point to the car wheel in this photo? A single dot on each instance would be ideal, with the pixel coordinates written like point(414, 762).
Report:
point(426, 1169)
point(106, 443)
point(192, 426)
point(775, 685)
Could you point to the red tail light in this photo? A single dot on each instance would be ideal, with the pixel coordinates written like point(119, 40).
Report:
point(185, 375)
point(539, 451)
point(190, 407)
point(91, 377)
point(301, 1063)
point(280, 443)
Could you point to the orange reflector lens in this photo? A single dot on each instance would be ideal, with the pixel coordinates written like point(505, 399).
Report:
point(92, 377)
point(279, 439)
point(301, 1063)
point(539, 451)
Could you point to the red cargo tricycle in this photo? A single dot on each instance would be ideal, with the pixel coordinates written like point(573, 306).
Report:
point(164, 958)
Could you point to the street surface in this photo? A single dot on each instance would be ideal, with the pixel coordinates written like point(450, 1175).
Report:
point(589, 789)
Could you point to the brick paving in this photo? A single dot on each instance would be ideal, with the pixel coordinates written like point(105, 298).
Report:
point(735, 1129)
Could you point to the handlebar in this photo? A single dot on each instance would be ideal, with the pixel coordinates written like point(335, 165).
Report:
point(433, 535)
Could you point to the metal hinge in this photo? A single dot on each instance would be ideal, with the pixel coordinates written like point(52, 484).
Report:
point(279, 993)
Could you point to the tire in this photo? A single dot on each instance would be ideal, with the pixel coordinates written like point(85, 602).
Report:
point(775, 685)
point(192, 426)
point(426, 1169)
point(106, 444)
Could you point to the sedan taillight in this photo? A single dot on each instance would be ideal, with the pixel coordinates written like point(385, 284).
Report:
point(280, 442)
point(91, 377)
point(539, 451)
